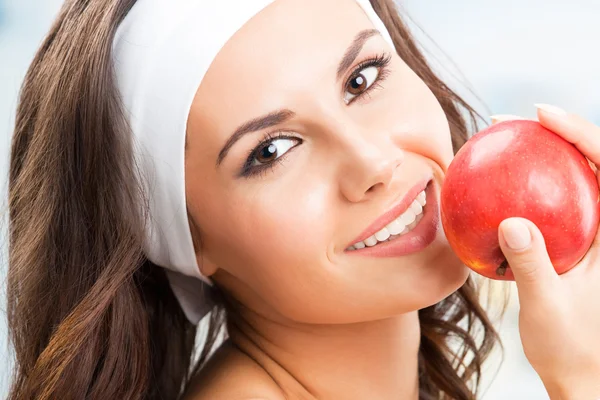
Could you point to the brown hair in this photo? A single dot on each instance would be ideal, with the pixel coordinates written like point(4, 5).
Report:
point(89, 316)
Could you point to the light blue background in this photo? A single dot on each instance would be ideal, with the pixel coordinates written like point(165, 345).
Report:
point(511, 53)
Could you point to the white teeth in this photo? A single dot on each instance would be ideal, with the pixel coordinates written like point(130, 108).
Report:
point(395, 227)
point(400, 226)
point(382, 235)
point(416, 207)
point(408, 217)
point(421, 198)
point(371, 241)
point(419, 218)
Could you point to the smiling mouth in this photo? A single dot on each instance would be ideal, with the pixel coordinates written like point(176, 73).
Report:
point(400, 226)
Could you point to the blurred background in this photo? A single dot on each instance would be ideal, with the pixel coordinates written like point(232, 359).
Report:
point(502, 56)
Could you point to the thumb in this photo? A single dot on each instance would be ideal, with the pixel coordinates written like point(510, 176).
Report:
point(525, 250)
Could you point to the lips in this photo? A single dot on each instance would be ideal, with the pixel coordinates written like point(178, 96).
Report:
point(417, 239)
point(393, 213)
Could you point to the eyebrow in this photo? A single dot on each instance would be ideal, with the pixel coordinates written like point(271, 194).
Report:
point(283, 115)
point(256, 124)
point(354, 49)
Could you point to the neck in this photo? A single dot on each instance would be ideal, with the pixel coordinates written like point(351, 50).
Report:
point(376, 359)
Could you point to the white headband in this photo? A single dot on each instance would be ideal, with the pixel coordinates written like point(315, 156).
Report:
point(162, 50)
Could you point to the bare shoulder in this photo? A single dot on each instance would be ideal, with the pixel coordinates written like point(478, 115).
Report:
point(232, 375)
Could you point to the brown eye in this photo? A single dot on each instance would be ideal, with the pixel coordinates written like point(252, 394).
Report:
point(361, 82)
point(267, 153)
point(357, 85)
point(272, 150)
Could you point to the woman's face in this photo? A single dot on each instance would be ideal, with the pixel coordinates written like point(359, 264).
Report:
point(274, 211)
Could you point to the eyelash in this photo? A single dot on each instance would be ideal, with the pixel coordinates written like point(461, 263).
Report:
point(381, 61)
point(248, 170)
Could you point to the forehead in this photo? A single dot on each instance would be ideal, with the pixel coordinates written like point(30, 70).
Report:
point(289, 47)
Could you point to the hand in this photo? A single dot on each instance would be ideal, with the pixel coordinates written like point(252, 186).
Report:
point(559, 319)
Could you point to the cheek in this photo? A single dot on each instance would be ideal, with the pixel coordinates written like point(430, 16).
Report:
point(289, 222)
point(418, 118)
point(439, 146)
point(272, 238)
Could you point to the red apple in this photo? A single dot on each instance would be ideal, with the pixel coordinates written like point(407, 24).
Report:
point(519, 169)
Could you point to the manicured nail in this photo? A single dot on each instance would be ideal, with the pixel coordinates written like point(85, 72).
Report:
point(516, 234)
point(551, 109)
point(504, 117)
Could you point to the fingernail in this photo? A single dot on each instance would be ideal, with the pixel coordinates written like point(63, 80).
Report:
point(504, 117)
point(551, 109)
point(516, 234)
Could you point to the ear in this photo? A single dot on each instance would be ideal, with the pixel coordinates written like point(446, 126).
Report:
point(206, 266)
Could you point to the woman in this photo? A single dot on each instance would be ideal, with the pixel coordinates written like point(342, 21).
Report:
point(256, 150)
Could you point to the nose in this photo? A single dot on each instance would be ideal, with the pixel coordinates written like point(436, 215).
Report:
point(369, 166)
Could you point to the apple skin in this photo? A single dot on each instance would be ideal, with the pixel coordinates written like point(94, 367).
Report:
point(519, 169)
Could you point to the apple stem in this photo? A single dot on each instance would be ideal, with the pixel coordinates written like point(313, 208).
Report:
point(501, 270)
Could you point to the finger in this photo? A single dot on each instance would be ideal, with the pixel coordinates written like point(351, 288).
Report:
point(525, 250)
point(573, 128)
point(505, 117)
